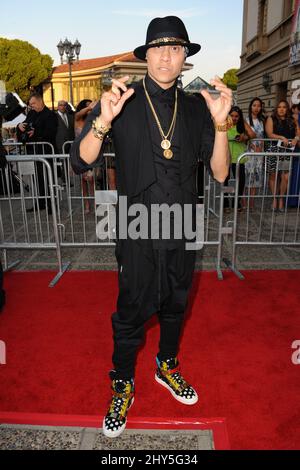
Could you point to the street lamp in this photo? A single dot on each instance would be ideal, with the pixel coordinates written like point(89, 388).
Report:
point(70, 50)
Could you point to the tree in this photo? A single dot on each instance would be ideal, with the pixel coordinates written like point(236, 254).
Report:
point(22, 66)
point(231, 79)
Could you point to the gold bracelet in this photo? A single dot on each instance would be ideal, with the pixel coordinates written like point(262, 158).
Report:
point(228, 124)
point(99, 130)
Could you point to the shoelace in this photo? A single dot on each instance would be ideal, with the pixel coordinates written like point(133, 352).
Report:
point(120, 402)
point(177, 381)
point(170, 369)
point(119, 407)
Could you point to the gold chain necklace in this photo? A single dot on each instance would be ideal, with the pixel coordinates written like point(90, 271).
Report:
point(166, 142)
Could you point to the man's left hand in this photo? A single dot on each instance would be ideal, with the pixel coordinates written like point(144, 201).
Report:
point(220, 107)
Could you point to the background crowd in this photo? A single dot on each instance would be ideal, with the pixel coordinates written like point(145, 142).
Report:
point(259, 133)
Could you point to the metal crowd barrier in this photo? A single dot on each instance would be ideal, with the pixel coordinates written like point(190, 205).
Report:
point(59, 165)
point(83, 207)
point(259, 223)
point(28, 210)
point(29, 148)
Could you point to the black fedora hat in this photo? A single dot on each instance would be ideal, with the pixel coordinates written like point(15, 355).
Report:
point(166, 31)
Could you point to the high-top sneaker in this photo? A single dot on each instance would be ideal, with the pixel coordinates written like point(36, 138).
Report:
point(169, 376)
point(114, 422)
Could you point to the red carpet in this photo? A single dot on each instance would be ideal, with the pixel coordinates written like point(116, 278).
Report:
point(236, 350)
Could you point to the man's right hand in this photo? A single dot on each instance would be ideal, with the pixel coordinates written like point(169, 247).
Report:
point(113, 101)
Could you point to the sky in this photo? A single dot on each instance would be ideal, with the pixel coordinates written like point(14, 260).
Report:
point(106, 28)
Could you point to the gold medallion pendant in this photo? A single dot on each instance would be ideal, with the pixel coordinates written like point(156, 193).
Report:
point(165, 144)
point(166, 138)
point(168, 154)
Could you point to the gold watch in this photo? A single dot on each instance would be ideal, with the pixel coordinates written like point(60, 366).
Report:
point(224, 127)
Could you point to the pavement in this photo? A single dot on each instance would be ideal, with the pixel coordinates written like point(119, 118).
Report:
point(25, 437)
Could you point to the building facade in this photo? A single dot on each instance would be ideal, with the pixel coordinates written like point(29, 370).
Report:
point(91, 76)
point(268, 69)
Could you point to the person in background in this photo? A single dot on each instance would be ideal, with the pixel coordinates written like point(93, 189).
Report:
point(254, 165)
point(296, 113)
point(65, 133)
point(83, 109)
point(238, 137)
point(282, 126)
point(65, 126)
point(40, 125)
point(263, 111)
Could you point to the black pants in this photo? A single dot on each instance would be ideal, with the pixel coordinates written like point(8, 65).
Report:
point(241, 184)
point(146, 288)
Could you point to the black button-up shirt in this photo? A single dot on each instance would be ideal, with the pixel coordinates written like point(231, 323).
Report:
point(167, 188)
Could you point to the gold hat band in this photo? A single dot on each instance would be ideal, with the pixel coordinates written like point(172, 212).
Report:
point(166, 40)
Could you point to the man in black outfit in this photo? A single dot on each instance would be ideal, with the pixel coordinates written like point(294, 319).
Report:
point(160, 134)
point(40, 125)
